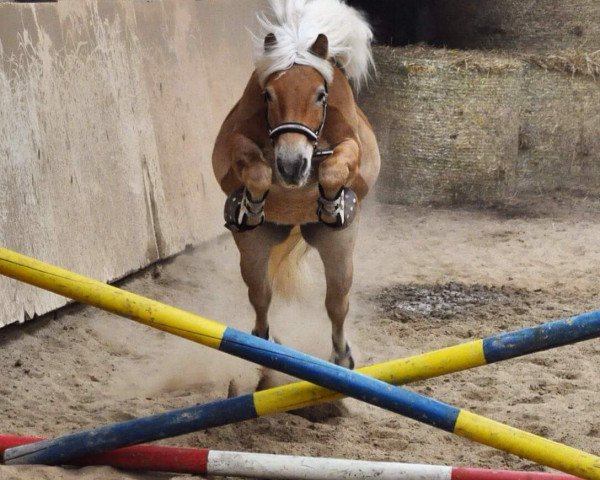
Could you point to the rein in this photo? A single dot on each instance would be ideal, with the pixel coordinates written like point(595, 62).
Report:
point(298, 127)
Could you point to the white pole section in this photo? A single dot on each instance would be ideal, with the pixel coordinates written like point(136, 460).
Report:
point(288, 467)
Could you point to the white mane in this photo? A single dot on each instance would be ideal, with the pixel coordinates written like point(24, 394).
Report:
point(296, 25)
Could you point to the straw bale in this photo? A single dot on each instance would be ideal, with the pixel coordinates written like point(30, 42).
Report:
point(573, 62)
point(447, 124)
point(519, 25)
point(560, 133)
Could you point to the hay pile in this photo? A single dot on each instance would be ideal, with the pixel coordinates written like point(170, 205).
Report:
point(465, 127)
point(559, 133)
point(542, 26)
point(574, 62)
point(447, 124)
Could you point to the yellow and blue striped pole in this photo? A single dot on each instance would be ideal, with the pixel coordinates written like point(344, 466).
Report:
point(354, 384)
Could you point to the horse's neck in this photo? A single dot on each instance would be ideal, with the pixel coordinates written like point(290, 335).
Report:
point(340, 91)
point(252, 99)
point(342, 108)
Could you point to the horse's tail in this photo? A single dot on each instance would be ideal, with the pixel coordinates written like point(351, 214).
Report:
point(287, 266)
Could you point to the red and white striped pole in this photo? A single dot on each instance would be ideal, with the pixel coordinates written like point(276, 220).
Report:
point(200, 461)
point(290, 467)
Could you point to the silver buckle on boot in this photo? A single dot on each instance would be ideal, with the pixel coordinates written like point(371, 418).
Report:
point(242, 213)
point(339, 212)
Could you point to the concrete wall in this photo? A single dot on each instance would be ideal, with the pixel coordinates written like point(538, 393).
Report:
point(108, 113)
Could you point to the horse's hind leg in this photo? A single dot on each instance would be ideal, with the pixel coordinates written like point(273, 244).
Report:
point(336, 248)
point(255, 248)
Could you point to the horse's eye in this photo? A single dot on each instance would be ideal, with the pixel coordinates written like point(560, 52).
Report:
point(267, 96)
point(321, 97)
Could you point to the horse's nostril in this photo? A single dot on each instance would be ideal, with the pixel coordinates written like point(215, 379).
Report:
point(304, 165)
point(280, 167)
point(292, 171)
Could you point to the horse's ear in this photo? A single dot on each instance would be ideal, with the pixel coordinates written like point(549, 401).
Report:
point(321, 46)
point(270, 41)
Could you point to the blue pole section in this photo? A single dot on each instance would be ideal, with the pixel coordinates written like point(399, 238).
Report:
point(350, 383)
point(542, 337)
point(132, 432)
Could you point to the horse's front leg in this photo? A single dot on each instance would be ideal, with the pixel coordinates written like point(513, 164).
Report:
point(255, 248)
point(244, 209)
point(336, 248)
point(338, 203)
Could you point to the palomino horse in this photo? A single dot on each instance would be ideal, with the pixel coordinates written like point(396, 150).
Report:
point(297, 152)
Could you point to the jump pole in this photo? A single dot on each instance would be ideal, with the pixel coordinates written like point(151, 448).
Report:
point(418, 367)
point(140, 457)
point(201, 461)
point(277, 357)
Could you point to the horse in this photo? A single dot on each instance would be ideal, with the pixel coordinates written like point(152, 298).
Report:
point(296, 156)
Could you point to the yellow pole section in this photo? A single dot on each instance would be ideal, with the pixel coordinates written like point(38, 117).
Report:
point(107, 297)
point(527, 445)
point(397, 372)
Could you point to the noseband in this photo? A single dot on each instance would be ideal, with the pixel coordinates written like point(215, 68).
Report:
point(298, 127)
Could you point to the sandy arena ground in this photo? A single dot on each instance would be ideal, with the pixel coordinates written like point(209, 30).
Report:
point(425, 279)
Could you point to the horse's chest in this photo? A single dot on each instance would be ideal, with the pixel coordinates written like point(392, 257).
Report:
point(292, 207)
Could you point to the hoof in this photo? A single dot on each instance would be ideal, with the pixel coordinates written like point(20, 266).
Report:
point(257, 334)
point(343, 360)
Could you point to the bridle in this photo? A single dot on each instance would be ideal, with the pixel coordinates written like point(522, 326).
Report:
point(242, 213)
point(298, 127)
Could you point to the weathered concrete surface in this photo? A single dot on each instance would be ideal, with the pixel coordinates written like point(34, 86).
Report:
point(109, 109)
point(198, 59)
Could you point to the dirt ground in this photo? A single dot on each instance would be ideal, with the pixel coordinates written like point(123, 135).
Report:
point(425, 279)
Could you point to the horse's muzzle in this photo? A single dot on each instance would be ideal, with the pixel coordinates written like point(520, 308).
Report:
point(293, 172)
point(293, 159)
